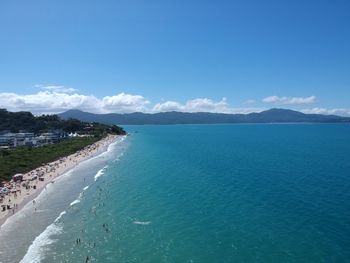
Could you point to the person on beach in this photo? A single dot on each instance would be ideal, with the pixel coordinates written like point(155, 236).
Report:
point(49, 172)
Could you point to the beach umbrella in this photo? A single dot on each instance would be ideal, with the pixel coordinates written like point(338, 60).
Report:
point(4, 190)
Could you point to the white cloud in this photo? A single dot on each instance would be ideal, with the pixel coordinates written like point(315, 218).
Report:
point(56, 88)
point(48, 102)
point(249, 101)
point(335, 111)
point(56, 99)
point(195, 105)
point(168, 106)
point(290, 100)
point(208, 105)
point(125, 103)
point(246, 110)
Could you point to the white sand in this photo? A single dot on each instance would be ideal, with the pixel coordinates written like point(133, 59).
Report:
point(24, 192)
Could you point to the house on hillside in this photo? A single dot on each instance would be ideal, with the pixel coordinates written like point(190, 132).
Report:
point(7, 139)
point(23, 138)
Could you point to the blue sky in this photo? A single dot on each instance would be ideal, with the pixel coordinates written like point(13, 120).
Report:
point(221, 56)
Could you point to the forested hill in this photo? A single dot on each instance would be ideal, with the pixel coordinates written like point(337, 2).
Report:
point(269, 116)
point(26, 121)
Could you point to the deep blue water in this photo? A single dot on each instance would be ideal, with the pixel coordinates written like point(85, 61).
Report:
point(216, 193)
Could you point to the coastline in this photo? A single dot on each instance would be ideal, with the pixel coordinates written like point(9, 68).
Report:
point(27, 192)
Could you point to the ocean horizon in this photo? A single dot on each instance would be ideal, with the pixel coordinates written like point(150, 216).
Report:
point(196, 193)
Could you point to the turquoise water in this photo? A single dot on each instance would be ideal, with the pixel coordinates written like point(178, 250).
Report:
point(213, 193)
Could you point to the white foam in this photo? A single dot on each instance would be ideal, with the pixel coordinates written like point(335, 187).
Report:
point(113, 145)
point(142, 222)
point(118, 157)
point(100, 173)
point(60, 216)
point(75, 202)
point(35, 252)
point(41, 210)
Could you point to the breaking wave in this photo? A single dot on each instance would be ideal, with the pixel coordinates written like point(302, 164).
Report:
point(35, 252)
point(142, 222)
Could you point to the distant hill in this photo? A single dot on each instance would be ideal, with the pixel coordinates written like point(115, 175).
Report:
point(269, 116)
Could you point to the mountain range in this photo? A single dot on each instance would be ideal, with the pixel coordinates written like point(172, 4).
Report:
point(268, 116)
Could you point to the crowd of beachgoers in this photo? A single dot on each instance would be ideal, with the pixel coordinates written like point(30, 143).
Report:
point(23, 188)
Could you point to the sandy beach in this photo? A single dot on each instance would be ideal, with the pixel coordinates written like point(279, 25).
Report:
point(35, 181)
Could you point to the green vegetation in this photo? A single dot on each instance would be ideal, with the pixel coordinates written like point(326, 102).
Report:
point(25, 159)
point(17, 121)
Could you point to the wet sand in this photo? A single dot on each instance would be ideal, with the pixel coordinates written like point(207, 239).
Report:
point(35, 181)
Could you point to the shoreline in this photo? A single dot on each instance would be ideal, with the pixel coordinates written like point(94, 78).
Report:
point(36, 180)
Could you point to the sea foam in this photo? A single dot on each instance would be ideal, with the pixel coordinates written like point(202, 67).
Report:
point(100, 173)
point(142, 222)
point(74, 202)
point(35, 252)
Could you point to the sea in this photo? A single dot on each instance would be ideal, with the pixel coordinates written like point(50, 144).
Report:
point(196, 193)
